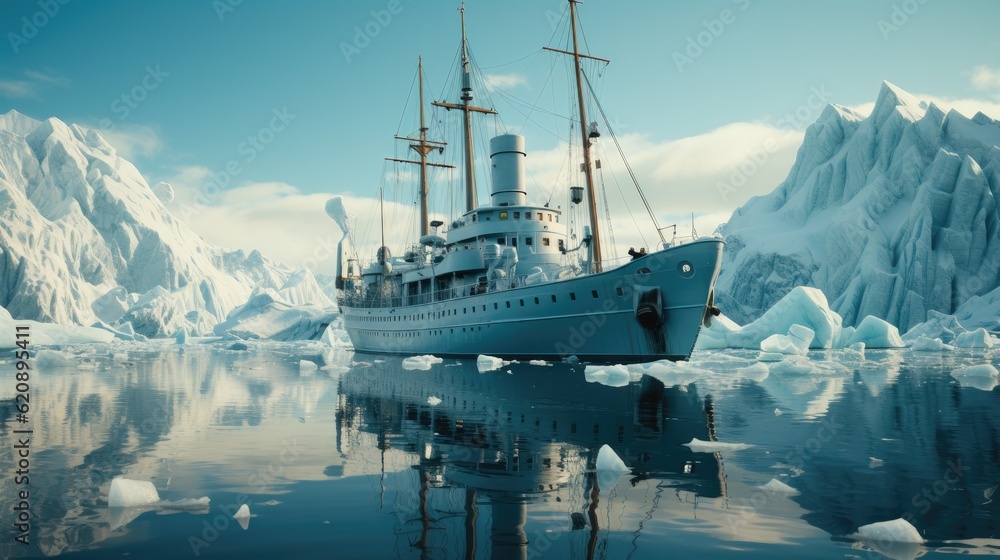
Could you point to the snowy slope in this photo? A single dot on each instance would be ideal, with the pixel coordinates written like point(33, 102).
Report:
point(78, 222)
point(890, 215)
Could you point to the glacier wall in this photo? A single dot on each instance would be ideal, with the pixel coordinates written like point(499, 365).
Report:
point(890, 215)
point(83, 238)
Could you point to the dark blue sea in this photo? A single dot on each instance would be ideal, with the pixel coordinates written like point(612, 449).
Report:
point(365, 458)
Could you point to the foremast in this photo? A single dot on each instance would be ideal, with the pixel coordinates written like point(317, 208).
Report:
point(471, 200)
point(423, 146)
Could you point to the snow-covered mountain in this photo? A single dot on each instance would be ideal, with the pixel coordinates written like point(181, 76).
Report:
point(84, 238)
point(890, 215)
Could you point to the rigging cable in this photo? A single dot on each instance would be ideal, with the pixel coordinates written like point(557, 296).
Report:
point(631, 173)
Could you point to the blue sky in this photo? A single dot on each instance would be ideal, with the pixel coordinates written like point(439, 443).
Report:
point(180, 86)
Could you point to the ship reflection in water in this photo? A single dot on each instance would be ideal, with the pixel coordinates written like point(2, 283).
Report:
point(526, 438)
point(372, 460)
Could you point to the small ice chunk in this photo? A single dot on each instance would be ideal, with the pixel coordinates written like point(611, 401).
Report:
point(537, 363)
point(242, 516)
point(129, 493)
point(797, 341)
point(979, 338)
point(984, 377)
point(874, 462)
point(792, 366)
point(757, 372)
point(925, 344)
point(777, 412)
point(770, 357)
point(423, 363)
point(876, 333)
point(54, 359)
point(897, 530)
point(699, 446)
point(433, 401)
point(489, 363)
point(271, 503)
point(776, 486)
point(608, 460)
point(612, 376)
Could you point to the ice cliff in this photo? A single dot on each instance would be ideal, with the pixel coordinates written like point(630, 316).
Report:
point(891, 215)
point(84, 239)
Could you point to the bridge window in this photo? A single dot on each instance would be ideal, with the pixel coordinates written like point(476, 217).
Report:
point(545, 241)
point(503, 215)
point(517, 215)
point(528, 240)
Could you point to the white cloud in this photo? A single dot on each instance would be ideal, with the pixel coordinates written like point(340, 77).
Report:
point(505, 81)
point(47, 78)
point(17, 89)
point(282, 222)
point(133, 140)
point(986, 79)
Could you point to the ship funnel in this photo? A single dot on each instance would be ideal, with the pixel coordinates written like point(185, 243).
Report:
point(507, 158)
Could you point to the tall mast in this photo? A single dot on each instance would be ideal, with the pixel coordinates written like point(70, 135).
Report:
point(423, 146)
point(467, 109)
point(587, 165)
point(425, 228)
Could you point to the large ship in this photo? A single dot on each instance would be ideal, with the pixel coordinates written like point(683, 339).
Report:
point(506, 279)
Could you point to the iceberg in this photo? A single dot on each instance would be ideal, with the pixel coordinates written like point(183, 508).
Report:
point(612, 376)
point(48, 334)
point(897, 530)
point(927, 344)
point(893, 215)
point(85, 239)
point(776, 486)
point(978, 338)
point(266, 315)
point(800, 321)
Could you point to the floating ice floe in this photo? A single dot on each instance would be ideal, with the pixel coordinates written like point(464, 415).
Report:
point(49, 334)
point(699, 446)
point(897, 530)
point(978, 338)
point(307, 366)
point(422, 363)
point(785, 328)
point(612, 376)
point(489, 363)
point(776, 486)
point(433, 401)
point(55, 359)
point(242, 516)
point(770, 357)
point(984, 377)
point(756, 372)
point(131, 493)
point(538, 363)
point(926, 344)
point(610, 468)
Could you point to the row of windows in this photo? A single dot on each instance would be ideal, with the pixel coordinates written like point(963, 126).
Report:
point(465, 310)
point(504, 215)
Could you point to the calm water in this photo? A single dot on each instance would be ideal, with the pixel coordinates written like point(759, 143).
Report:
point(362, 460)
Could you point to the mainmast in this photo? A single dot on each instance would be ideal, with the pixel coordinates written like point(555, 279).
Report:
point(423, 146)
point(467, 109)
point(587, 160)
